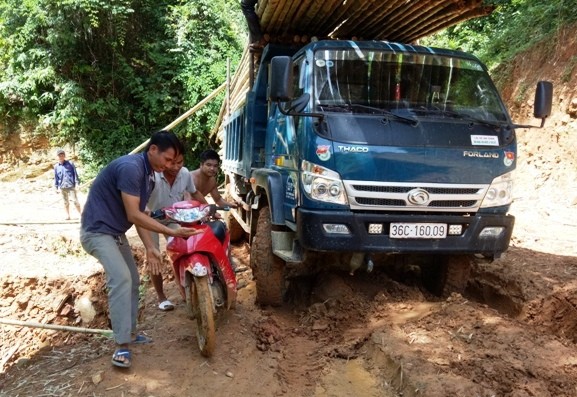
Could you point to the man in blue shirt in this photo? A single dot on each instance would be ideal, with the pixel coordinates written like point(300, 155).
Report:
point(116, 201)
point(65, 180)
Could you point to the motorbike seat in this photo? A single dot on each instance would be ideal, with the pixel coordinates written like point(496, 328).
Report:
point(219, 230)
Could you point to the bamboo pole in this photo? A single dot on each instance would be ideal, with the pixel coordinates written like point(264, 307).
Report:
point(423, 15)
point(106, 332)
point(367, 19)
point(397, 16)
point(326, 21)
point(196, 107)
point(379, 18)
point(267, 14)
point(353, 24)
point(238, 88)
point(184, 116)
point(450, 20)
point(228, 79)
point(307, 7)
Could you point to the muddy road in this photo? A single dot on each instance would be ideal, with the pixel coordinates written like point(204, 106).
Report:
point(512, 333)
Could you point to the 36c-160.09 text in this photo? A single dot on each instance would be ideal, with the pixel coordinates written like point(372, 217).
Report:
point(418, 230)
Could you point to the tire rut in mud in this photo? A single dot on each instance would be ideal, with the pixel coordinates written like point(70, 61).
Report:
point(508, 333)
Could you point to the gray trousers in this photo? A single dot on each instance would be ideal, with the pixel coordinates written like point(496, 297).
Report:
point(122, 280)
point(156, 237)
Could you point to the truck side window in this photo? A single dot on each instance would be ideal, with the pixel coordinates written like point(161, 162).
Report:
point(299, 74)
point(299, 82)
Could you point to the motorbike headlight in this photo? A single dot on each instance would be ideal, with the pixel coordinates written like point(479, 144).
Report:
point(500, 192)
point(322, 184)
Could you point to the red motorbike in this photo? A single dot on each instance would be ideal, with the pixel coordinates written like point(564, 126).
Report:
point(202, 266)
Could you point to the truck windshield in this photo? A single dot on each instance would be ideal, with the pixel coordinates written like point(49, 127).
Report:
point(421, 85)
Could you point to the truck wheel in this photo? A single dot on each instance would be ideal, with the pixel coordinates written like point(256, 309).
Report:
point(202, 307)
point(267, 268)
point(447, 274)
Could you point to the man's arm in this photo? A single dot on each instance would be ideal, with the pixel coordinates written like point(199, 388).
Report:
point(218, 200)
point(198, 197)
point(139, 218)
point(76, 177)
point(56, 182)
point(142, 221)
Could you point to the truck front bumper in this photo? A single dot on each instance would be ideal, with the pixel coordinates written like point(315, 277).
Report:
point(313, 235)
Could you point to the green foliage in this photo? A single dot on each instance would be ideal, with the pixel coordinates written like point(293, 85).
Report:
point(513, 27)
point(103, 75)
point(206, 35)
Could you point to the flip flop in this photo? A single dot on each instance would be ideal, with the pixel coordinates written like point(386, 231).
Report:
point(141, 339)
point(125, 353)
point(166, 306)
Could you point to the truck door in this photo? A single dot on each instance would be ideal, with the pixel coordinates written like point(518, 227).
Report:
point(285, 148)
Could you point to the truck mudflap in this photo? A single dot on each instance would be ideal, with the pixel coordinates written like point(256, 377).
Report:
point(271, 182)
point(313, 235)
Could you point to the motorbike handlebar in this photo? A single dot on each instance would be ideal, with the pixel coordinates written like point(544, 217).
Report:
point(160, 214)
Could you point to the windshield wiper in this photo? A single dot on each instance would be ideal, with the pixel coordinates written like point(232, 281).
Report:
point(390, 115)
point(459, 116)
point(341, 107)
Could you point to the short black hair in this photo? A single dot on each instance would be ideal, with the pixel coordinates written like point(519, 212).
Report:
point(165, 140)
point(209, 155)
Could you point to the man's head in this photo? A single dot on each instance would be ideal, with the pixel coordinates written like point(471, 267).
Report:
point(162, 150)
point(175, 167)
point(209, 163)
point(61, 155)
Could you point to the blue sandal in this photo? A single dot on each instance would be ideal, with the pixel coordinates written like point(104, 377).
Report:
point(141, 339)
point(126, 358)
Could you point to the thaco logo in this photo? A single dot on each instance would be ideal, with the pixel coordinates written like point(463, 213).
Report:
point(353, 149)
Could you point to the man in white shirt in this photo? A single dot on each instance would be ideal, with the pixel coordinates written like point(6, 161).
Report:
point(171, 186)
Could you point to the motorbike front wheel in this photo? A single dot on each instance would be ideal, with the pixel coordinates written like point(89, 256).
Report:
point(202, 307)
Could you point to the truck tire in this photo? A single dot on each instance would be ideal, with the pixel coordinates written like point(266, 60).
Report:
point(267, 268)
point(447, 274)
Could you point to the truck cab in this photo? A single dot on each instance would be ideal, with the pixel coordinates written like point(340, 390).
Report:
point(374, 152)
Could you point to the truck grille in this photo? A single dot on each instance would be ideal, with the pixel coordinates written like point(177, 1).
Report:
point(414, 197)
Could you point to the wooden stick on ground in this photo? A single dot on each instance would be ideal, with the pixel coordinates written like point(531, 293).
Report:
point(18, 323)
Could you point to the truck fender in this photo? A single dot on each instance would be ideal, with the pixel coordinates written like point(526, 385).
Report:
point(271, 182)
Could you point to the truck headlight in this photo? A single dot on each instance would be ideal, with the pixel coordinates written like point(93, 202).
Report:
point(500, 192)
point(322, 184)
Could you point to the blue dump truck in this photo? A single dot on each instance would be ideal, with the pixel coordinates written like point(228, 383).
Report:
point(357, 154)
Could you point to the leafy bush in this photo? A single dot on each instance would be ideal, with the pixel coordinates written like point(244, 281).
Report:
point(104, 75)
point(513, 27)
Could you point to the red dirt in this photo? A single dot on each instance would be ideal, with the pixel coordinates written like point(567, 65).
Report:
point(512, 333)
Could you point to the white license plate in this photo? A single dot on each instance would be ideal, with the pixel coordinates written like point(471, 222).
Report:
point(418, 230)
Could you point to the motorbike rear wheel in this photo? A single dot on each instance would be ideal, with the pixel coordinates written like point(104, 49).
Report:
point(202, 307)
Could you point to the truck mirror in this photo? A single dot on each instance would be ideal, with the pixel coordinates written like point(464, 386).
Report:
point(281, 79)
point(543, 100)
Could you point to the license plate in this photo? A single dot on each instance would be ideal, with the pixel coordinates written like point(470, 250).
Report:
point(418, 230)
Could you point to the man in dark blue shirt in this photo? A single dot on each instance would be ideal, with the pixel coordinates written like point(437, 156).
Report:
point(116, 201)
point(65, 181)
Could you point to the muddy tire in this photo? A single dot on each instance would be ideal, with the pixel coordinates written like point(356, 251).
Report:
point(267, 268)
point(202, 307)
point(447, 274)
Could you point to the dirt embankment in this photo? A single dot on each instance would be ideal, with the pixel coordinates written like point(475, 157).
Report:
point(512, 333)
